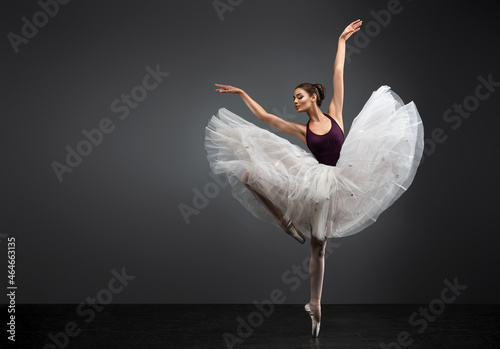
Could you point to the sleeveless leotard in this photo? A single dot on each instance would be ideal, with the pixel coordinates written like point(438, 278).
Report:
point(326, 148)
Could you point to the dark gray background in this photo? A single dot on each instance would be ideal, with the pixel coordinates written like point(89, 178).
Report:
point(120, 206)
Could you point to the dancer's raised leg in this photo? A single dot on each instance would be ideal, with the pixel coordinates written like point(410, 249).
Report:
point(285, 224)
point(316, 272)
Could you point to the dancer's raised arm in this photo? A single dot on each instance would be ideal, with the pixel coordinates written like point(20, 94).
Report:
point(292, 128)
point(335, 108)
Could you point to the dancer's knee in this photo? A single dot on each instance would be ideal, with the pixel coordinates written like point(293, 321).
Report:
point(318, 247)
point(244, 177)
point(319, 252)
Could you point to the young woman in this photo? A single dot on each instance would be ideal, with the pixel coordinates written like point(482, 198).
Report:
point(338, 190)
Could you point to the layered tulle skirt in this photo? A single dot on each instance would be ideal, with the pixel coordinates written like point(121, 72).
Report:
point(378, 161)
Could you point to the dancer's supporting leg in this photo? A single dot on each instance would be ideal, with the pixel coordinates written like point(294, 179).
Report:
point(317, 268)
point(316, 272)
point(287, 226)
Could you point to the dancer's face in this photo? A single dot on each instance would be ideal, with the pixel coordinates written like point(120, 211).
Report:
point(302, 100)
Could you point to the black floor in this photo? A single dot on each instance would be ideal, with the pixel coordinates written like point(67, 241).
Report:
point(245, 326)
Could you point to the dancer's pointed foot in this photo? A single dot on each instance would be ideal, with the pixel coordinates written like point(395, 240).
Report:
point(314, 311)
point(289, 228)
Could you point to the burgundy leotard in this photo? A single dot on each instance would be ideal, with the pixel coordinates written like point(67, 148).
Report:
point(326, 148)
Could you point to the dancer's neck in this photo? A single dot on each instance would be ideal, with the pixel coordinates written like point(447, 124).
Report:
point(315, 114)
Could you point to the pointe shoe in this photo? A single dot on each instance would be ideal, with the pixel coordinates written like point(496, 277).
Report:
point(315, 323)
point(289, 228)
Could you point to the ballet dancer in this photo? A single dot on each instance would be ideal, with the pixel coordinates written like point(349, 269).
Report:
point(295, 186)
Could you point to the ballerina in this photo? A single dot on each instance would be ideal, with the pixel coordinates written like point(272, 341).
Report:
point(338, 190)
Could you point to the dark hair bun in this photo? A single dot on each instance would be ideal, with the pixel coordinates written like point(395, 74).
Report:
point(321, 91)
point(312, 89)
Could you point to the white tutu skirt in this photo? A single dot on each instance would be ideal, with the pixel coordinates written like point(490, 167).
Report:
point(378, 161)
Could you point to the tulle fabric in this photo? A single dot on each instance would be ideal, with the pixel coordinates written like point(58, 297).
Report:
point(378, 161)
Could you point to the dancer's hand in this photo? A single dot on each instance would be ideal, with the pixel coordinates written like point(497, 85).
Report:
point(228, 89)
point(351, 29)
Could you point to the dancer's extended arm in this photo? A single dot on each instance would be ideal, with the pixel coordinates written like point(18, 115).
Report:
point(292, 128)
point(335, 108)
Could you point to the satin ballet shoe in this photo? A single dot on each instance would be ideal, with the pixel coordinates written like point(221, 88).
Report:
point(315, 324)
point(289, 228)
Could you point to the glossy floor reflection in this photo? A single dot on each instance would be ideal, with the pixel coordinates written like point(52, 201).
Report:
point(246, 326)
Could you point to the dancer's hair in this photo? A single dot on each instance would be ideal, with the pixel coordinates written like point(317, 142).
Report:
point(311, 89)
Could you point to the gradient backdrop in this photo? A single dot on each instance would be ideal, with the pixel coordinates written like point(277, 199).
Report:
point(121, 204)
